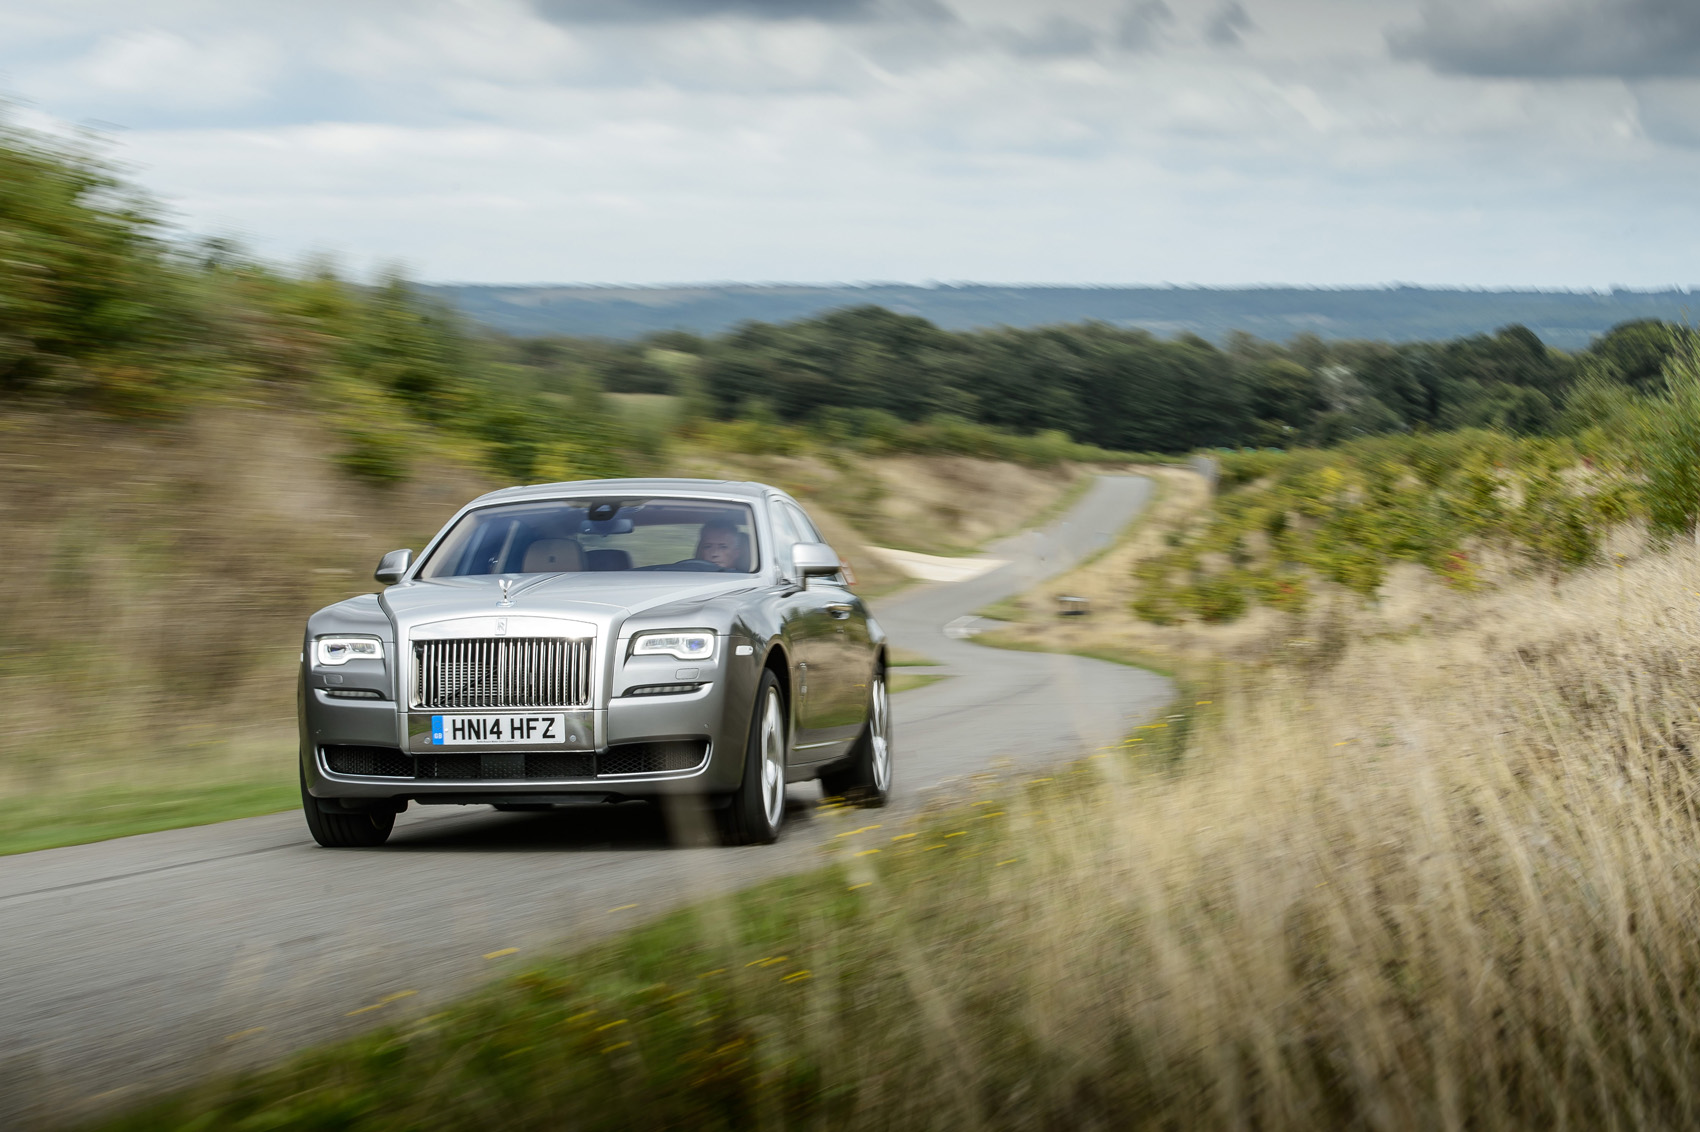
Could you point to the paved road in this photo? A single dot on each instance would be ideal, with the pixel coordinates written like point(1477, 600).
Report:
point(134, 965)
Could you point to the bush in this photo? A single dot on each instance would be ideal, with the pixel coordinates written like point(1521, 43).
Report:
point(1669, 447)
point(1345, 515)
point(1217, 597)
point(374, 456)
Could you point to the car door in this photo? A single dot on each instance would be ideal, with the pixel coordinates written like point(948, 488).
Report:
point(838, 683)
point(809, 630)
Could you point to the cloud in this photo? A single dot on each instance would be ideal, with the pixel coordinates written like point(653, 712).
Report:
point(1554, 39)
point(1057, 37)
point(1668, 110)
point(669, 11)
point(170, 70)
point(1228, 24)
point(1141, 25)
point(1086, 140)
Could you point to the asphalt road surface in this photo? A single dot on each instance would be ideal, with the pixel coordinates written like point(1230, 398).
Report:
point(131, 966)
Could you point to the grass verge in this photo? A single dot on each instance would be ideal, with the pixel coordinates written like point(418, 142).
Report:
point(51, 820)
point(909, 681)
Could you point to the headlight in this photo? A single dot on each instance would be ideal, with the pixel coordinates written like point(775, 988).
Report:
point(332, 651)
point(687, 645)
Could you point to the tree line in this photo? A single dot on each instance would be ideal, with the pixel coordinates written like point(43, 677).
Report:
point(1116, 388)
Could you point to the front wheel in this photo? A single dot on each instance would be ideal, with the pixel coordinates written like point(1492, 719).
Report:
point(756, 810)
point(363, 829)
point(866, 778)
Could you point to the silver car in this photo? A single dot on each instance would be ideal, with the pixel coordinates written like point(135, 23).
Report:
point(597, 641)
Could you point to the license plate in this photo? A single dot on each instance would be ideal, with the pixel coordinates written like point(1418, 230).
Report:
point(473, 730)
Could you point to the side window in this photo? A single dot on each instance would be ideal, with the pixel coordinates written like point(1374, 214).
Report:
point(805, 529)
point(784, 535)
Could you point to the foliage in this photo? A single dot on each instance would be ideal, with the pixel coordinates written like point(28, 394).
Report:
point(97, 309)
point(1346, 515)
point(90, 303)
point(1120, 389)
point(874, 432)
point(1669, 446)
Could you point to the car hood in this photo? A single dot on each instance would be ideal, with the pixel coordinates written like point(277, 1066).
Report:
point(603, 599)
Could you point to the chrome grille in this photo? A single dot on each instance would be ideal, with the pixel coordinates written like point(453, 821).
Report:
point(501, 672)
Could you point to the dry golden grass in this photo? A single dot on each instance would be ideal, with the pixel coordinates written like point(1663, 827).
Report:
point(1429, 862)
point(930, 504)
point(1434, 880)
point(157, 582)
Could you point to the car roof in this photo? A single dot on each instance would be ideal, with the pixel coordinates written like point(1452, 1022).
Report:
point(731, 489)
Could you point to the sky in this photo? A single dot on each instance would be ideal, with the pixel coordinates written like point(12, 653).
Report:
point(1548, 143)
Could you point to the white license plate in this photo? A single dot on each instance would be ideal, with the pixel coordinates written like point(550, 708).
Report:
point(473, 730)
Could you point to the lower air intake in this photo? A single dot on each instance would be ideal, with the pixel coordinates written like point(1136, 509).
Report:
point(652, 758)
point(531, 764)
point(369, 762)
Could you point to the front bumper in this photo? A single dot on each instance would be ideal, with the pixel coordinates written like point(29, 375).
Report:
point(636, 746)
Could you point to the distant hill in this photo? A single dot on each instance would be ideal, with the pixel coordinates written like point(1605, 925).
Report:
point(1567, 319)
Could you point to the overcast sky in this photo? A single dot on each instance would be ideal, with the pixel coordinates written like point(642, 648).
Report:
point(1475, 142)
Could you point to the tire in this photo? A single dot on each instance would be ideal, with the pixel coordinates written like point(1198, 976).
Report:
point(365, 829)
point(866, 778)
point(756, 810)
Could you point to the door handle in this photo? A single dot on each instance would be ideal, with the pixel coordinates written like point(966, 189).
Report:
point(839, 609)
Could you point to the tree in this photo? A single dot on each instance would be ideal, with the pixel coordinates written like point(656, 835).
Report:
point(1635, 352)
point(1285, 392)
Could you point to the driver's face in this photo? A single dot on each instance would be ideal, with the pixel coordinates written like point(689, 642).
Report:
point(720, 548)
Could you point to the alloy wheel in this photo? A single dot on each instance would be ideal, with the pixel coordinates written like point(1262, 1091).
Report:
point(880, 736)
point(773, 759)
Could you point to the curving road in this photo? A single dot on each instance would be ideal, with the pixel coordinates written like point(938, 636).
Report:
point(131, 966)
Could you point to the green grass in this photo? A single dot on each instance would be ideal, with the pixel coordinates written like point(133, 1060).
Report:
point(1131, 657)
point(51, 820)
point(909, 681)
point(1004, 609)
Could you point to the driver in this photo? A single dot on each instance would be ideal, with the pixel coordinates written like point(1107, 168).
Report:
point(721, 543)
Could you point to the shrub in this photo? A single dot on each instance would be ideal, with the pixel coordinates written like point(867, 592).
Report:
point(374, 456)
point(1214, 597)
point(1669, 447)
point(1345, 515)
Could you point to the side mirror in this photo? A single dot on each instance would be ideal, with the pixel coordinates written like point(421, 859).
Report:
point(814, 560)
point(393, 566)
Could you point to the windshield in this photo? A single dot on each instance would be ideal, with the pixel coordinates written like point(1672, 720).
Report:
point(588, 535)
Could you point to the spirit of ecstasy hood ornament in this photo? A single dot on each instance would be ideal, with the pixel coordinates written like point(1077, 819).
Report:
point(505, 583)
